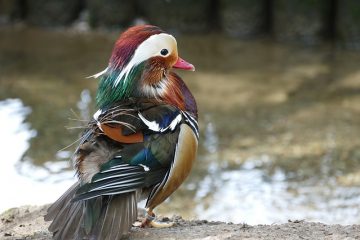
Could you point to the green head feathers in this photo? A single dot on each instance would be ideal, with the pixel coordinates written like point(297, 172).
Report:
point(115, 86)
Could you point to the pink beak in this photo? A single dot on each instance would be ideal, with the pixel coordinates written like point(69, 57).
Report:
point(182, 64)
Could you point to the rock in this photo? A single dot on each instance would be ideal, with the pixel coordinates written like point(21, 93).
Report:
point(27, 223)
point(348, 23)
point(49, 13)
point(244, 18)
point(178, 15)
point(10, 11)
point(111, 13)
point(24, 223)
point(303, 21)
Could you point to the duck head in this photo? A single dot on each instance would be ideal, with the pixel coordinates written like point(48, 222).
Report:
point(140, 66)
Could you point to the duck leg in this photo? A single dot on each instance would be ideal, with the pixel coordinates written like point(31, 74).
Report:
point(149, 220)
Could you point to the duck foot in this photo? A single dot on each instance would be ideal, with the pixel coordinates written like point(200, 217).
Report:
point(149, 221)
point(156, 224)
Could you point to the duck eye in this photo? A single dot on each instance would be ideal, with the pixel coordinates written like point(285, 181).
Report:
point(164, 52)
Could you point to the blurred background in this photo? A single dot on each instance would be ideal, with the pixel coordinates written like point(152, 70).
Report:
point(277, 84)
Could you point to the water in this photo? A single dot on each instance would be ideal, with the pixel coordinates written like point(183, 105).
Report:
point(279, 125)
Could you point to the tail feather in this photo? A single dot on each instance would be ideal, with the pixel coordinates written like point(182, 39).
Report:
point(64, 221)
point(61, 203)
point(117, 217)
point(106, 217)
point(70, 228)
point(65, 215)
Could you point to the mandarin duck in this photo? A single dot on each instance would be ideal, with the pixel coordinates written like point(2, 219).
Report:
point(140, 144)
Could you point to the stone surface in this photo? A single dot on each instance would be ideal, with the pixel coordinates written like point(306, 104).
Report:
point(111, 13)
point(348, 23)
point(178, 15)
point(244, 18)
point(27, 223)
point(49, 13)
point(10, 11)
point(304, 21)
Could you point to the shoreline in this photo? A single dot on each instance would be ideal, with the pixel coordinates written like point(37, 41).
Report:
point(27, 222)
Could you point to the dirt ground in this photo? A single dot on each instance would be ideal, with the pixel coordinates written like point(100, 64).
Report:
point(27, 223)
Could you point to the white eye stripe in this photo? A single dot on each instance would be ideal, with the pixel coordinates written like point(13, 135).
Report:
point(151, 47)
